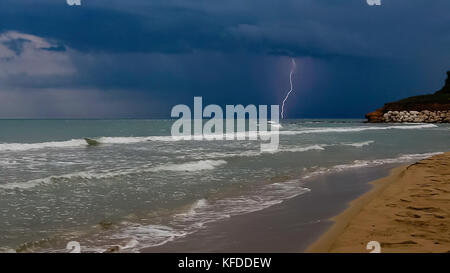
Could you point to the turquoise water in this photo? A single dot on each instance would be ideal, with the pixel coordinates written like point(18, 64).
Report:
point(140, 188)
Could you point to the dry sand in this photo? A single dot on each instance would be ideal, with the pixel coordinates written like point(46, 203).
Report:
point(408, 211)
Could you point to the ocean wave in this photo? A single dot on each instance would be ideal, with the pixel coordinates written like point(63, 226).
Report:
point(152, 235)
point(192, 166)
point(244, 135)
point(129, 237)
point(253, 153)
point(356, 129)
point(359, 144)
point(7, 250)
point(282, 149)
point(256, 134)
point(378, 162)
point(131, 140)
point(8, 162)
point(370, 163)
point(32, 146)
point(274, 124)
point(52, 179)
point(202, 212)
point(133, 237)
point(297, 149)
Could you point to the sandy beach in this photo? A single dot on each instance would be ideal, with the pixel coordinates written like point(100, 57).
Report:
point(408, 211)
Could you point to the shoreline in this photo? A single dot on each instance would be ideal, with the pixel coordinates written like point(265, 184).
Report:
point(290, 226)
point(390, 214)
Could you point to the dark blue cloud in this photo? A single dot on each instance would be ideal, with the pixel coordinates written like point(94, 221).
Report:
point(283, 27)
point(352, 57)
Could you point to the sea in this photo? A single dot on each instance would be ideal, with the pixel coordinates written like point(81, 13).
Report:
point(140, 188)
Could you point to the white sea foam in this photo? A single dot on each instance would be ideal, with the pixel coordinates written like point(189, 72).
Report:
point(48, 180)
point(130, 140)
point(130, 244)
point(356, 129)
point(297, 149)
point(370, 163)
point(192, 166)
point(255, 134)
point(274, 124)
point(282, 149)
point(253, 153)
point(135, 237)
point(250, 134)
point(201, 203)
point(7, 250)
point(150, 235)
point(31, 146)
point(131, 237)
point(378, 162)
point(8, 162)
point(359, 144)
point(203, 212)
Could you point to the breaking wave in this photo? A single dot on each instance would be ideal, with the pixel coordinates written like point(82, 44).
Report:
point(52, 144)
point(205, 211)
point(193, 166)
point(356, 129)
point(371, 163)
point(359, 144)
point(129, 140)
point(190, 166)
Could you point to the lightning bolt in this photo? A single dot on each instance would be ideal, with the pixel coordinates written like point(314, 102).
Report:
point(292, 87)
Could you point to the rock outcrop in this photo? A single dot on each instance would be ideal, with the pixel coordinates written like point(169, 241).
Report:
point(416, 116)
point(434, 108)
point(375, 116)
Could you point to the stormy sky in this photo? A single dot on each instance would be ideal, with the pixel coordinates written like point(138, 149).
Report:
point(138, 58)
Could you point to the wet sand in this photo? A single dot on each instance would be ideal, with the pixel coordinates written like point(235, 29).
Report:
point(290, 226)
point(408, 211)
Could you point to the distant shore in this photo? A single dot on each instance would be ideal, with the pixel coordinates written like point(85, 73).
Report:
point(430, 108)
point(408, 211)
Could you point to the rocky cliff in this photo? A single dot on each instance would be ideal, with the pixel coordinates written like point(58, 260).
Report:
point(433, 108)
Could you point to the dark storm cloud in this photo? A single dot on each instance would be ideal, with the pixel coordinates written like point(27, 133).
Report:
point(284, 27)
point(352, 57)
point(17, 45)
